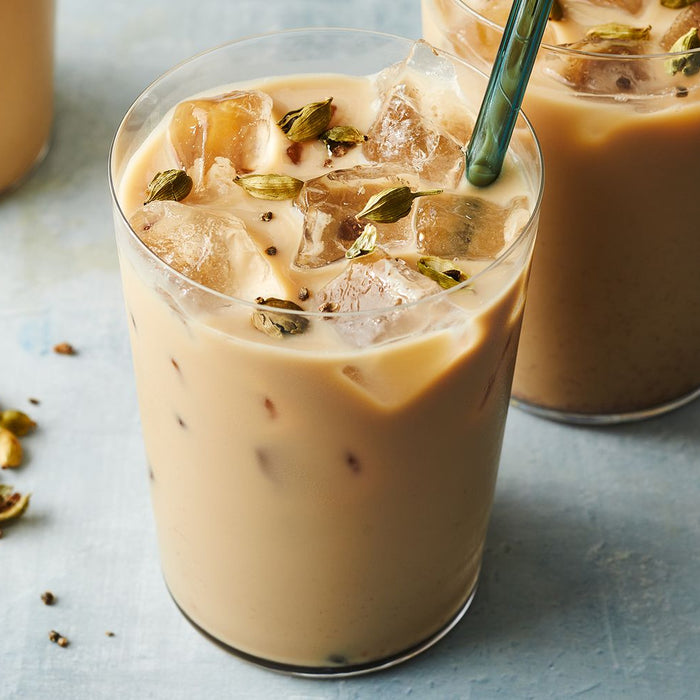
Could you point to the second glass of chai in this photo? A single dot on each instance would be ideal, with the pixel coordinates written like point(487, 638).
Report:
point(612, 326)
point(324, 318)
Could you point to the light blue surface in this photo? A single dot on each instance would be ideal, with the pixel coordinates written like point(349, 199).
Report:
point(591, 578)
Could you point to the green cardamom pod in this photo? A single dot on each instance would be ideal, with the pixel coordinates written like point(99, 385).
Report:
point(169, 185)
point(441, 271)
point(364, 244)
point(306, 123)
point(275, 323)
point(688, 63)
point(274, 187)
point(340, 139)
point(392, 204)
point(618, 32)
point(677, 4)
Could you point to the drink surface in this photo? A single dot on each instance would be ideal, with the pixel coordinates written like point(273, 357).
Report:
point(26, 85)
point(612, 324)
point(322, 497)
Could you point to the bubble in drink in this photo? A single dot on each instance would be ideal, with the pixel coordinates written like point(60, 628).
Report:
point(235, 125)
point(450, 225)
point(329, 204)
point(687, 19)
point(377, 281)
point(413, 129)
point(211, 248)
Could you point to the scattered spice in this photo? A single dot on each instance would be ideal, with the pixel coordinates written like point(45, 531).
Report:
point(681, 91)
point(270, 408)
point(267, 215)
point(304, 294)
point(294, 153)
point(58, 638)
point(48, 598)
point(10, 449)
point(271, 250)
point(64, 349)
point(109, 634)
point(34, 401)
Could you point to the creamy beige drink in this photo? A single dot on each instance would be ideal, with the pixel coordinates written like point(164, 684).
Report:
point(612, 326)
point(26, 85)
point(322, 476)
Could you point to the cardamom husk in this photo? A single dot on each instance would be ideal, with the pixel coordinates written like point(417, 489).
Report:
point(340, 139)
point(10, 449)
point(270, 186)
point(392, 204)
point(613, 31)
point(689, 63)
point(169, 185)
point(16, 422)
point(308, 122)
point(12, 504)
point(677, 4)
point(364, 244)
point(441, 271)
point(275, 323)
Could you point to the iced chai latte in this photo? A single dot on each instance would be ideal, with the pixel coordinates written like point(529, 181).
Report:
point(26, 85)
point(612, 327)
point(324, 319)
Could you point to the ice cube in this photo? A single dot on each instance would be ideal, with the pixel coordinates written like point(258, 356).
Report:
point(422, 124)
point(457, 226)
point(216, 185)
point(377, 281)
point(612, 74)
point(212, 248)
point(235, 125)
point(329, 204)
point(687, 18)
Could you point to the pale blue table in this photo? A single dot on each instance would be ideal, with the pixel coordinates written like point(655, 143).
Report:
point(591, 578)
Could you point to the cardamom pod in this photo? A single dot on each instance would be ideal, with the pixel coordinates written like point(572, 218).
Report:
point(618, 32)
point(340, 139)
point(364, 244)
point(271, 186)
point(12, 504)
point(169, 185)
point(688, 63)
point(677, 4)
point(441, 271)
point(16, 422)
point(277, 324)
point(10, 449)
point(390, 205)
point(308, 122)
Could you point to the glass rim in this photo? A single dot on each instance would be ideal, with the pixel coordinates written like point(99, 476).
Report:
point(228, 299)
point(566, 49)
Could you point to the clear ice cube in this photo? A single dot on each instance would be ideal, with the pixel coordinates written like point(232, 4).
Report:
point(612, 74)
point(329, 204)
point(235, 125)
point(378, 281)
point(423, 123)
point(211, 248)
point(686, 19)
point(457, 226)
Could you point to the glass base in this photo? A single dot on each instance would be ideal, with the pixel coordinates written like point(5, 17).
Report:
point(605, 419)
point(339, 671)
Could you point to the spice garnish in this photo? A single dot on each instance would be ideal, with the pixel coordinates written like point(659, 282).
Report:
point(308, 122)
point(618, 32)
point(364, 244)
point(340, 139)
point(169, 185)
point(10, 449)
point(48, 598)
point(270, 186)
point(688, 63)
point(392, 204)
point(677, 4)
point(276, 323)
point(64, 349)
point(441, 271)
point(12, 504)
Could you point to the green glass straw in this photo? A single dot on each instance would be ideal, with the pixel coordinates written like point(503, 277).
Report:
point(504, 93)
